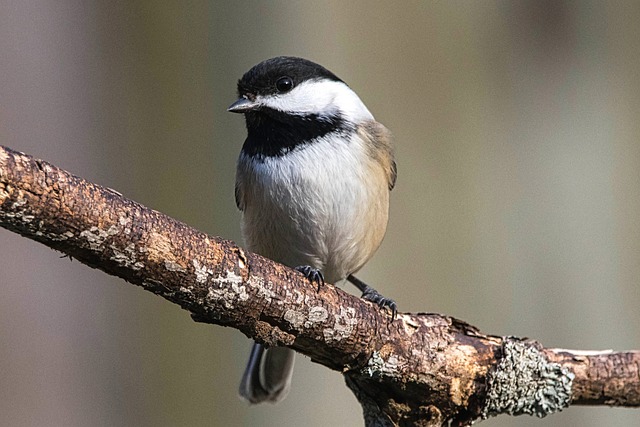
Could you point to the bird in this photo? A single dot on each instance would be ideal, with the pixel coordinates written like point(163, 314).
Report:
point(312, 183)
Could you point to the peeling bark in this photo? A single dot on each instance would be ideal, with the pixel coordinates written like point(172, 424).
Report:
point(419, 370)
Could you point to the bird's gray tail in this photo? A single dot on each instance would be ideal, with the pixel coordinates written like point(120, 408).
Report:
point(267, 377)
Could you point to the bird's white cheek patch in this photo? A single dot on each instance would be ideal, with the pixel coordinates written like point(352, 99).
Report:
point(322, 97)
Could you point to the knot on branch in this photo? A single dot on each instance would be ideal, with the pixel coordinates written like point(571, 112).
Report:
point(525, 382)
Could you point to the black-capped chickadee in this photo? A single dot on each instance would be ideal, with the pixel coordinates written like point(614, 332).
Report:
point(313, 183)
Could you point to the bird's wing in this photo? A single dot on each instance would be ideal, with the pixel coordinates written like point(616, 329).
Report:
point(379, 142)
point(241, 184)
point(239, 196)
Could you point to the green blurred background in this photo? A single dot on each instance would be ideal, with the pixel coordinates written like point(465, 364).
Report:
point(516, 209)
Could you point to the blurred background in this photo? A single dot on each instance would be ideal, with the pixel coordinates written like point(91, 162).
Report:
point(517, 206)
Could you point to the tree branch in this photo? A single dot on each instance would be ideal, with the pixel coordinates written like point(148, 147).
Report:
point(421, 369)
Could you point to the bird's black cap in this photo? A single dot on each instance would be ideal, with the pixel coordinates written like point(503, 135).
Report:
point(262, 78)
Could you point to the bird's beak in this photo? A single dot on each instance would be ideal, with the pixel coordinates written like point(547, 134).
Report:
point(243, 105)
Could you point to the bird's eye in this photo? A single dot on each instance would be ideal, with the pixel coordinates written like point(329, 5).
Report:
point(284, 84)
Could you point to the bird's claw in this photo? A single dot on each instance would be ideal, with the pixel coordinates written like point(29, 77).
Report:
point(312, 274)
point(375, 297)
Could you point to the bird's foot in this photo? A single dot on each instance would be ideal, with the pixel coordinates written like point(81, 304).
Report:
point(313, 274)
point(374, 296)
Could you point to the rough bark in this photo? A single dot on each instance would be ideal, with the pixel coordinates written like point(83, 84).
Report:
point(420, 370)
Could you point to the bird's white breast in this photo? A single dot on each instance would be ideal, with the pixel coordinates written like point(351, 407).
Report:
point(324, 204)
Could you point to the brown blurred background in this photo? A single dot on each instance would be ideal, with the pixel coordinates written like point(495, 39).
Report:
point(517, 207)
